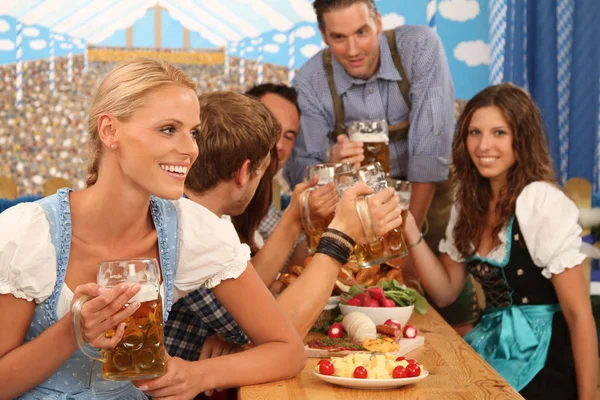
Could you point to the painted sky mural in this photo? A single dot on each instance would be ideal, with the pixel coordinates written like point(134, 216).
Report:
point(252, 26)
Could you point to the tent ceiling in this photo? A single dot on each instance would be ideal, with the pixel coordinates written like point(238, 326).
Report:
point(218, 21)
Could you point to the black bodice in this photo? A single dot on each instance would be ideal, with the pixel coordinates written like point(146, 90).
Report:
point(519, 282)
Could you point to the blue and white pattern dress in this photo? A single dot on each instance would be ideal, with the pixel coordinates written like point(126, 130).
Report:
point(196, 249)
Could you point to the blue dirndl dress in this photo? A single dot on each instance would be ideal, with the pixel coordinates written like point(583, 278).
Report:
point(80, 378)
point(523, 333)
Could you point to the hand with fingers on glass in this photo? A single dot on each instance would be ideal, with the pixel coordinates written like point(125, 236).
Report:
point(100, 312)
point(347, 151)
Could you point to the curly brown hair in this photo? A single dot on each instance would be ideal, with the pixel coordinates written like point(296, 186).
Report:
point(532, 163)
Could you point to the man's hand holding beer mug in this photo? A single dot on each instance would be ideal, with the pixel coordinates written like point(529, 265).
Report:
point(345, 151)
point(367, 142)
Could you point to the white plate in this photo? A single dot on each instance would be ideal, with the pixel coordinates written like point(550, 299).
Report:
point(370, 383)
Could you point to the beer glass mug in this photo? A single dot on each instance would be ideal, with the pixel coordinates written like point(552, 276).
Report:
point(378, 249)
point(314, 228)
point(403, 190)
point(141, 352)
point(375, 136)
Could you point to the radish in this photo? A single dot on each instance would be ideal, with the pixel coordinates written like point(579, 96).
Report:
point(336, 330)
point(410, 332)
point(371, 303)
point(353, 302)
point(376, 293)
point(362, 297)
point(387, 303)
point(393, 322)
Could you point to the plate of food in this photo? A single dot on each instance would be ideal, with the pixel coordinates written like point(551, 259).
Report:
point(358, 333)
point(368, 371)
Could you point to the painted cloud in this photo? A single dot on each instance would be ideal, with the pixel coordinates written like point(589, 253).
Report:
point(473, 53)
point(310, 50)
point(271, 48)
point(459, 10)
point(305, 32)
point(31, 32)
point(392, 20)
point(4, 26)
point(6, 45)
point(37, 44)
point(280, 38)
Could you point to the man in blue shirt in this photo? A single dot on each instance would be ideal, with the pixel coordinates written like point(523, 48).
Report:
point(401, 77)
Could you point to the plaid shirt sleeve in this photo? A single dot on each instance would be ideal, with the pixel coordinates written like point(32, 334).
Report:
point(195, 317)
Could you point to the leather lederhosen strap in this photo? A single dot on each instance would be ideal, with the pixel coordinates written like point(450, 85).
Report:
point(398, 131)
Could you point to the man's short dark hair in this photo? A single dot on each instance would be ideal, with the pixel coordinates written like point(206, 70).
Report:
point(280, 89)
point(323, 6)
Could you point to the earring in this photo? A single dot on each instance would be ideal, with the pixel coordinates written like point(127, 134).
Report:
point(113, 146)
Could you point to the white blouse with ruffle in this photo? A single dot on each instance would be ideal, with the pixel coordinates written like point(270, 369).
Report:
point(548, 221)
point(209, 252)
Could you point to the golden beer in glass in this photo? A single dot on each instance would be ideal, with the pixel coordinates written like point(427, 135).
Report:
point(314, 228)
point(378, 249)
point(375, 137)
point(141, 352)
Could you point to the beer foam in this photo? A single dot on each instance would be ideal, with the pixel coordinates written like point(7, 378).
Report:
point(370, 137)
point(147, 293)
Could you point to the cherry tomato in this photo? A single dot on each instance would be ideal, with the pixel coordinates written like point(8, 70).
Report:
point(325, 367)
point(399, 372)
point(413, 370)
point(401, 358)
point(322, 361)
point(412, 361)
point(360, 372)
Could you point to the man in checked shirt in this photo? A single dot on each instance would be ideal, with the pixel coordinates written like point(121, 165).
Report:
point(400, 76)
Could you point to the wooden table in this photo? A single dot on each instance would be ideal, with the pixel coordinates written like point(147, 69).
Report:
point(455, 372)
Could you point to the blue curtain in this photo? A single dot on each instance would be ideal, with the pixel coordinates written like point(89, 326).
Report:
point(552, 49)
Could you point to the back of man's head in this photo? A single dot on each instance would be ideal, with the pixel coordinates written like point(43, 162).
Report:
point(233, 128)
point(280, 89)
point(323, 6)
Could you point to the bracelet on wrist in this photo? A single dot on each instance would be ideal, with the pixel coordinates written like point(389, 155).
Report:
point(411, 245)
point(334, 248)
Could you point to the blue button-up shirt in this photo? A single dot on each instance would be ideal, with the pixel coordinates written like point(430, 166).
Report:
point(424, 157)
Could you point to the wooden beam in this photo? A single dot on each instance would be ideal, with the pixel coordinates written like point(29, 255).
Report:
point(129, 37)
point(157, 27)
point(186, 38)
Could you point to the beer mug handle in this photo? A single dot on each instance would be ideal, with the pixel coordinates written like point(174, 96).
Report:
point(305, 213)
point(81, 343)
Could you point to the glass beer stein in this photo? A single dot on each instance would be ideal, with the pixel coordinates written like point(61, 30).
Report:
point(375, 136)
point(378, 249)
point(141, 352)
point(314, 228)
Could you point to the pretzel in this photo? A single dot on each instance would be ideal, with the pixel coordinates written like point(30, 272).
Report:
point(346, 277)
point(366, 273)
point(295, 269)
point(287, 279)
point(352, 264)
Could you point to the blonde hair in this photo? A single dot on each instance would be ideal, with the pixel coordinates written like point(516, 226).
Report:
point(123, 91)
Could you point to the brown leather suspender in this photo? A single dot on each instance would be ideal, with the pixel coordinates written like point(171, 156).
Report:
point(398, 131)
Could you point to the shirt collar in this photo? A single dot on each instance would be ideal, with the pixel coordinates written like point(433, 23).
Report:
point(387, 70)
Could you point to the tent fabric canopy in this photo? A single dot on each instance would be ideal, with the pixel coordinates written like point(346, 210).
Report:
point(218, 21)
